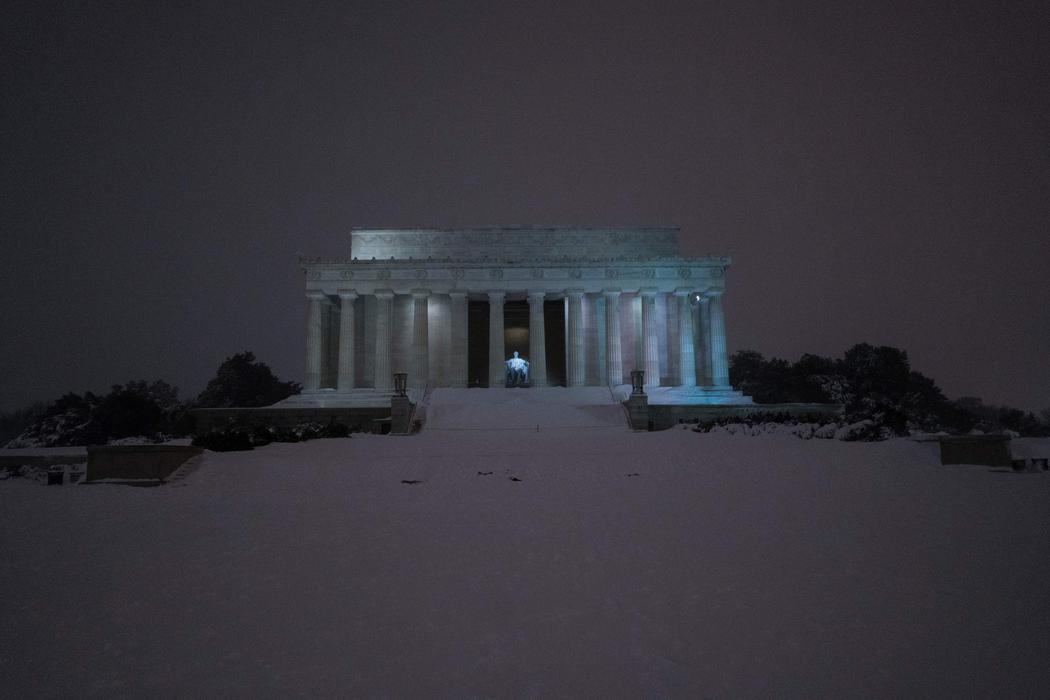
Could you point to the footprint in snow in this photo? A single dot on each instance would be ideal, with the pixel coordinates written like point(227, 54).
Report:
point(411, 481)
point(634, 474)
point(484, 473)
point(514, 478)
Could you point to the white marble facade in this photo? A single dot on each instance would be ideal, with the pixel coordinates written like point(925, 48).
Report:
point(400, 304)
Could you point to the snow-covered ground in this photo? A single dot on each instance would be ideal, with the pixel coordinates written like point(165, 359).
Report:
point(621, 564)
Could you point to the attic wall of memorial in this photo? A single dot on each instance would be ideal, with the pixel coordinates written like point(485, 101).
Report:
point(514, 243)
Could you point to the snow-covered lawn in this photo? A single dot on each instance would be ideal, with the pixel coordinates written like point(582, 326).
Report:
point(728, 566)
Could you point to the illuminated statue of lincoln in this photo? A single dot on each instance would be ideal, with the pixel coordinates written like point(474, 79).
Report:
point(517, 371)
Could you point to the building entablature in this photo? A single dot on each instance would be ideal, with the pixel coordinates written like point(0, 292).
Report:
point(550, 276)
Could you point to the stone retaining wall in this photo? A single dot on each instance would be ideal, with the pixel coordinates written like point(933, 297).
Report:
point(137, 462)
point(358, 419)
point(664, 416)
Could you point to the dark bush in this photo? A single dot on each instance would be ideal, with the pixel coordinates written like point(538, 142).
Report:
point(231, 440)
point(258, 436)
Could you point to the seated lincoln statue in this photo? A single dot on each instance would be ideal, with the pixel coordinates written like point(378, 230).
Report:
point(517, 371)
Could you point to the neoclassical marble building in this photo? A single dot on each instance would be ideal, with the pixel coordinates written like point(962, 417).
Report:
point(584, 306)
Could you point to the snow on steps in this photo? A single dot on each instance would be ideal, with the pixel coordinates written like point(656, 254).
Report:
point(537, 408)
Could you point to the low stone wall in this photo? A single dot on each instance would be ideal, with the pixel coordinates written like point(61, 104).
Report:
point(46, 458)
point(664, 416)
point(357, 419)
point(136, 462)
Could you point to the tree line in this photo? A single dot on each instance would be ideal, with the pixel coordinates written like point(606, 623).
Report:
point(871, 382)
point(875, 383)
point(141, 409)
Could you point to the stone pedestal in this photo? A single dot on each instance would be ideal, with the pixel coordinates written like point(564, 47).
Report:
point(400, 415)
point(638, 411)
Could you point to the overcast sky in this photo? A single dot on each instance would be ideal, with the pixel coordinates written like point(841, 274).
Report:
point(878, 171)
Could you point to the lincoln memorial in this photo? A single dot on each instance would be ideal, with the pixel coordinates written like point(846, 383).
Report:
point(450, 307)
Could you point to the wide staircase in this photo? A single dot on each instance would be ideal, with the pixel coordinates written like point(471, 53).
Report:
point(535, 409)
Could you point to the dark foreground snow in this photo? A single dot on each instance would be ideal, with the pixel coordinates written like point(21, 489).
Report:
point(729, 566)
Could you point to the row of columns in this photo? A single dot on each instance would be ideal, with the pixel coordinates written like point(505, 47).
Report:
point(711, 326)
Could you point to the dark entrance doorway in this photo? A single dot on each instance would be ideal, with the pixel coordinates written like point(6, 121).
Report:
point(477, 344)
point(515, 337)
point(554, 328)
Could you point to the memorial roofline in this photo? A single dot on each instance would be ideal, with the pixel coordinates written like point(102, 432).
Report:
point(709, 260)
point(512, 227)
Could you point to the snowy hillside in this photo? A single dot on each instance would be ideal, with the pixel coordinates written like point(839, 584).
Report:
point(618, 564)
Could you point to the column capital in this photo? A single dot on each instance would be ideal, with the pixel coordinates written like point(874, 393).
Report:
point(457, 294)
point(682, 292)
point(574, 292)
point(384, 294)
point(316, 295)
point(496, 294)
point(648, 291)
point(713, 293)
point(539, 297)
point(420, 293)
point(612, 292)
point(348, 294)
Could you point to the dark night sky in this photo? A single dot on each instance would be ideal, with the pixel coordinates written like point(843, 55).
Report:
point(879, 171)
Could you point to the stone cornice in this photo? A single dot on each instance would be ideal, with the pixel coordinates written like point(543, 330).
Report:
point(663, 274)
point(559, 261)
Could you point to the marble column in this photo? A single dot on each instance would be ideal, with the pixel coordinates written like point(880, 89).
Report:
point(537, 340)
point(703, 339)
point(719, 361)
point(345, 381)
point(686, 350)
point(574, 367)
point(457, 353)
point(420, 339)
point(314, 341)
point(613, 342)
point(497, 345)
point(650, 343)
point(384, 381)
